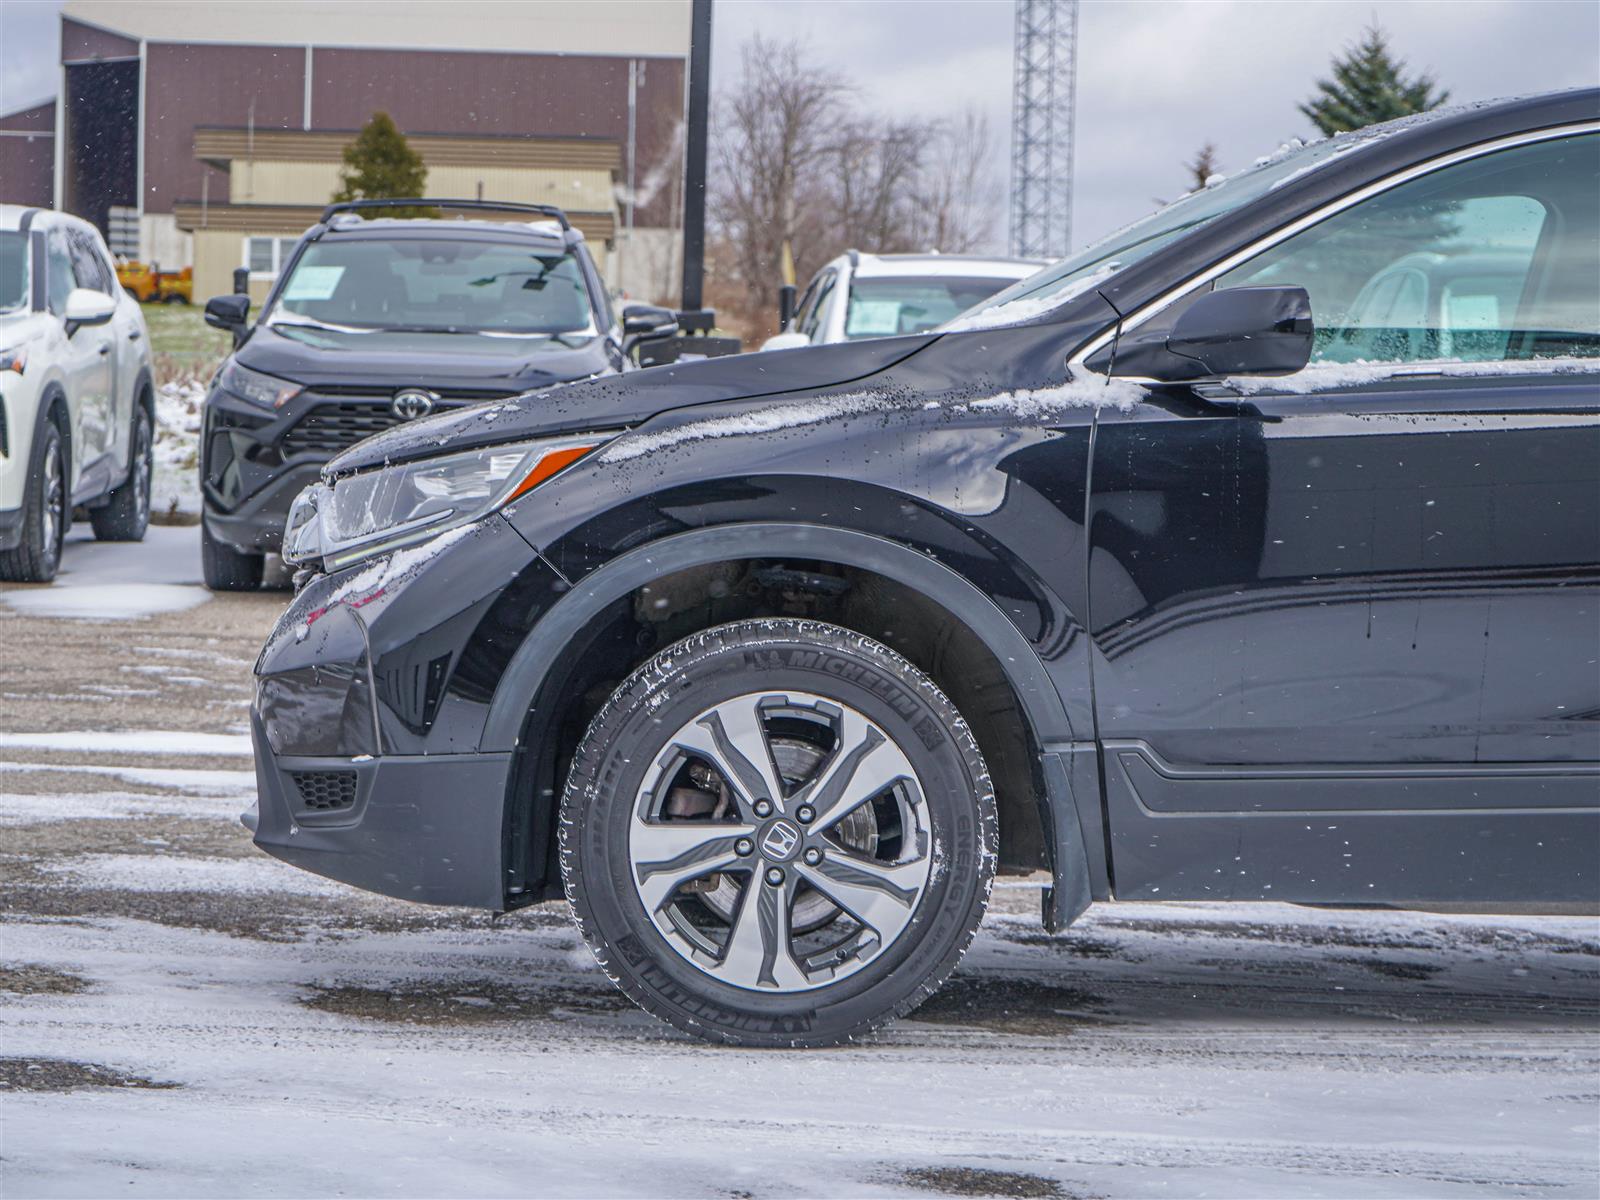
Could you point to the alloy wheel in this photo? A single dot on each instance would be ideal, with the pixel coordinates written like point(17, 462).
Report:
point(780, 841)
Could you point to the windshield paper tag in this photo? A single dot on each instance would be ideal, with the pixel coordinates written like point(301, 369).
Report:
point(313, 283)
point(873, 318)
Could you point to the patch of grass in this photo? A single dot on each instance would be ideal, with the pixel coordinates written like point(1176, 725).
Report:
point(29, 979)
point(65, 1075)
point(980, 1181)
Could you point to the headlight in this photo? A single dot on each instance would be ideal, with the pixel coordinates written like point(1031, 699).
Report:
point(265, 391)
point(362, 515)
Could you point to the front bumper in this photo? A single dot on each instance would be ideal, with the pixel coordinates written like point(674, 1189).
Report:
point(369, 713)
point(416, 827)
point(256, 525)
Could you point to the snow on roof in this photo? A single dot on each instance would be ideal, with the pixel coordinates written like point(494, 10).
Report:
point(962, 265)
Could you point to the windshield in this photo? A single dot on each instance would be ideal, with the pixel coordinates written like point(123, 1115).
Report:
point(13, 271)
point(436, 286)
point(1078, 272)
point(883, 307)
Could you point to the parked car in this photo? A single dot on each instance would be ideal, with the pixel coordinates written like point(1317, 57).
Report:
point(881, 295)
point(377, 321)
point(1134, 575)
point(77, 405)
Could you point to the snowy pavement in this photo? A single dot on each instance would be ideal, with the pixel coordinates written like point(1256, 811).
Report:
point(183, 1016)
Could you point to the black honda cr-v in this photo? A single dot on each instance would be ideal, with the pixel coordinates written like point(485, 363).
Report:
point(377, 321)
point(1253, 553)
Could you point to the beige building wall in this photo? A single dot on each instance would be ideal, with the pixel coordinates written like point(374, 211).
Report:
point(216, 253)
point(580, 190)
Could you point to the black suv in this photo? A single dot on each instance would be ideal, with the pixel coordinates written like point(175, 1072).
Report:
point(1253, 553)
point(378, 321)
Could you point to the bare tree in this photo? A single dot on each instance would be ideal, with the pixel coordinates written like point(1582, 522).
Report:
point(776, 128)
point(958, 193)
point(1203, 167)
point(798, 160)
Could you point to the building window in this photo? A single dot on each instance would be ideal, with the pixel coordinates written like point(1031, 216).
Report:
point(266, 256)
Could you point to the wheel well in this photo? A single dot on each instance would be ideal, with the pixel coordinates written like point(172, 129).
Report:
point(630, 630)
point(55, 411)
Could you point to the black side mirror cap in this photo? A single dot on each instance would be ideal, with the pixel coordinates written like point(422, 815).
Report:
point(787, 295)
point(228, 312)
point(1235, 331)
point(648, 321)
point(1246, 331)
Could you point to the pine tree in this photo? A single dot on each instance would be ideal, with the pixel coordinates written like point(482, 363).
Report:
point(381, 165)
point(1203, 167)
point(1368, 86)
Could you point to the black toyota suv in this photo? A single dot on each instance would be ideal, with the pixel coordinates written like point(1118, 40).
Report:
point(1253, 553)
point(380, 320)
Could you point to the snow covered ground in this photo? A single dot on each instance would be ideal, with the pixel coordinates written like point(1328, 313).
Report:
point(175, 485)
point(182, 1016)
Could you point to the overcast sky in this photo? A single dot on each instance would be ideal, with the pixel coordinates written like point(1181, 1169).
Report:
point(1155, 79)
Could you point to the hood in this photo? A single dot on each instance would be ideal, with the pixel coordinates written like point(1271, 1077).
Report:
point(389, 359)
point(22, 325)
point(615, 401)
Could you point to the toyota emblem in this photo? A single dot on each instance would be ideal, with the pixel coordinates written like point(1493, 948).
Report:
point(410, 403)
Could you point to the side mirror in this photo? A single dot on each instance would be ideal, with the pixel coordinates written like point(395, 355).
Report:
point(786, 341)
point(1237, 331)
point(229, 313)
point(87, 307)
point(648, 321)
point(786, 298)
point(1246, 331)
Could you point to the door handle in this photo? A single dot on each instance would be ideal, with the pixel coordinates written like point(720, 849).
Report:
point(105, 349)
point(134, 335)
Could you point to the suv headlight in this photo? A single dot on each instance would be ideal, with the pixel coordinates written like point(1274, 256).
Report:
point(264, 391)
point(377, 511)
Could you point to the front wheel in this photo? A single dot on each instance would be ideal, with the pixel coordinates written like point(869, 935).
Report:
point(778, 833)
point(226, 569)
point(44, 513)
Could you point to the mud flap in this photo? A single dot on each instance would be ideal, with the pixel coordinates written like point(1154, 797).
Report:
point(1078, 876)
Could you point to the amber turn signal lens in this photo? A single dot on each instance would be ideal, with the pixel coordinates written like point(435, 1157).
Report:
point(551, 464)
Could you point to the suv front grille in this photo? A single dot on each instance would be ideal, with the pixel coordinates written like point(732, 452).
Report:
point(331, 427)
point(325, 791)
point(341, 421)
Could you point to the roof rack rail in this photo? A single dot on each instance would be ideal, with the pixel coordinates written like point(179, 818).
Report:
point(545, 210)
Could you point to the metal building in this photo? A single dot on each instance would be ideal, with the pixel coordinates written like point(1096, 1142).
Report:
point(216, 131)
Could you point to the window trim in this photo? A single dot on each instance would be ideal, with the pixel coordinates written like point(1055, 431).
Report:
point(1077, 361)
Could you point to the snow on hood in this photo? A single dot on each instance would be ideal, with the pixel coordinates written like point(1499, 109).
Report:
point(1026, 404)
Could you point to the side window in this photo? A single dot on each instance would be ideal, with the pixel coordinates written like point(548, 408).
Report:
point(1491, 259)
point(87, 268)
point(61, 278)
point(814, 318)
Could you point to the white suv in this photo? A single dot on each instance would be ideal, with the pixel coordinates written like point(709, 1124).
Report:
point(879, 295)
point(77, 405)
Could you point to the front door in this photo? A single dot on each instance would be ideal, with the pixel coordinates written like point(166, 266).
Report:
point(1348, 623)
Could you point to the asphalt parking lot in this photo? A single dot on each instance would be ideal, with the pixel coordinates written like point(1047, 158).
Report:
point(183, 1016)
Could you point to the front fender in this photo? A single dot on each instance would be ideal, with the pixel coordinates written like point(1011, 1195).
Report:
point(1070, 807)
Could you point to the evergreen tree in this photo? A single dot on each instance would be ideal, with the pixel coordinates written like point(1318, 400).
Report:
point(381, 165)
point(1203, 167)
point(1368, 86)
